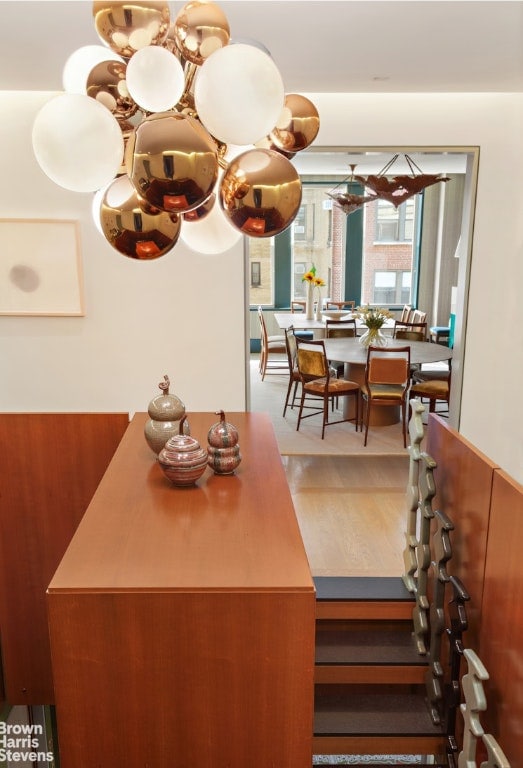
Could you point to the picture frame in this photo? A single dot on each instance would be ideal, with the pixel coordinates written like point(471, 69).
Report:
point(41, 268)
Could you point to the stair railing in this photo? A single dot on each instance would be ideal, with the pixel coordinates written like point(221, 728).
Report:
point(475, 703)
point(416, 434)
point(429, 619)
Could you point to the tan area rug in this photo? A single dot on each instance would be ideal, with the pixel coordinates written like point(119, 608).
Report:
point(340, 439)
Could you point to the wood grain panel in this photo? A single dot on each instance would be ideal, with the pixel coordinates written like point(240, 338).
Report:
point(51, 466)
point(463, 479)
point(501, 641)
point(182, 619)
point(182, 678)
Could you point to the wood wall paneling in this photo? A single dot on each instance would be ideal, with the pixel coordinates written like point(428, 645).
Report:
point(463, 479)
point(501, 641)
point(51, 466)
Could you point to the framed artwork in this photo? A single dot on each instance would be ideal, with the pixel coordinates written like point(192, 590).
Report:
point(40, 268)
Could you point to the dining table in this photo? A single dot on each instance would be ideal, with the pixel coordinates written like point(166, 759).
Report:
point(354, 355)
point(300, 322)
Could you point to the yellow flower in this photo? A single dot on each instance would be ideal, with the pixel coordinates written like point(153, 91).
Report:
point(312, 278)
point(309, 276)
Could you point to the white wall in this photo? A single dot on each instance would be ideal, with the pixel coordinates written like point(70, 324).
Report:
point(184, 314)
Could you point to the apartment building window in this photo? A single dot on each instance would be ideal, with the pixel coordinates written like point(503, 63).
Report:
point(395, 224)
point(255, 274)
point(392, 287)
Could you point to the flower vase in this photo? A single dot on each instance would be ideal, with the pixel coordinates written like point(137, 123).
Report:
point(373, 336)
point(317, 312)
point(309, 302)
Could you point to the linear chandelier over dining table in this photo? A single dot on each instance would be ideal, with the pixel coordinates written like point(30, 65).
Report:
point(180, 130)
point(383, 186)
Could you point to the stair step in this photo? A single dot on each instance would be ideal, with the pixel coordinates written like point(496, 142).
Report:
point(380, 719)
point(398, 761)
point(367, 652)
point(362, 597)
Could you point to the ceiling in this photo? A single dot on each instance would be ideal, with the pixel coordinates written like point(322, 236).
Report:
point(367, 46)
point(318, 45)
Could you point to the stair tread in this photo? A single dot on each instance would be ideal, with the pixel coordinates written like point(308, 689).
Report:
point(368, 645)
point(367, 764)
point(364, 588)
point(372, 714)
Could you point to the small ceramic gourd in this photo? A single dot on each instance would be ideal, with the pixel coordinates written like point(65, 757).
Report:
point(165, 412)
point(182, 459)
point(223, 449)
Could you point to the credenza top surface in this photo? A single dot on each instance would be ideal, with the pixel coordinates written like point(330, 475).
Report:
point(231, 532)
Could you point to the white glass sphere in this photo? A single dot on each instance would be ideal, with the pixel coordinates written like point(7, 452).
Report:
point(239, 94)
point(77, 142)
point(211, 235)
point(155, 78)
point(81, 62)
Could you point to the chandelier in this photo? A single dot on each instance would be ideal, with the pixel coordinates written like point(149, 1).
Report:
point(180, 131)
point(345, 199)
point(382, 186)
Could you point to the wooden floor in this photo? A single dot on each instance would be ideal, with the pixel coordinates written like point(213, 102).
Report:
point(352, 512)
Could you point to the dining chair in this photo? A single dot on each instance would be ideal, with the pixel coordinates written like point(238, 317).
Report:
point(297, 306)
point(440, 334)
point(270, 345)
point(409, 331)
point(348, 305)
point(317, 382)
point(294, 374)
point(418, 316)
point(340, 328)
point(433, 389)
point(387, 378)
point(406, 313)
point(335, 329)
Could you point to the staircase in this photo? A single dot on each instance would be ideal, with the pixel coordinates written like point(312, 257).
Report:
point(370, 692)
point(380, 688)
point(389, 651)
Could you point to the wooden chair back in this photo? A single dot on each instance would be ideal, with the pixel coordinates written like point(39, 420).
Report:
point(418, 316)
point(291, 347)
point(388, 370)
point(410, 331)
point(340, 328)
point(349, 305)
point(263, 327)
point(297, 306)
point(312, 360)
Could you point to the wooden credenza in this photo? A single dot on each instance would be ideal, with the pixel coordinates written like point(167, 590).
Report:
point(182, 619)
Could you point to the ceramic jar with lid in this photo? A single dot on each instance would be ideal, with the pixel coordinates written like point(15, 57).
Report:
point(165, 412)
point(223, 449)
point(183, 460)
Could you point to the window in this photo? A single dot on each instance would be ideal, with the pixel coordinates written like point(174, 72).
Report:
point(395, 224)
point(303, 224)
point(392, 287)
point(255, 274)
point(311, 240)
point(344, 249)
point(261, 269)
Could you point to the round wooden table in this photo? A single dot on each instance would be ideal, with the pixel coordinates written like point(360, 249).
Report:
point(354, 355)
